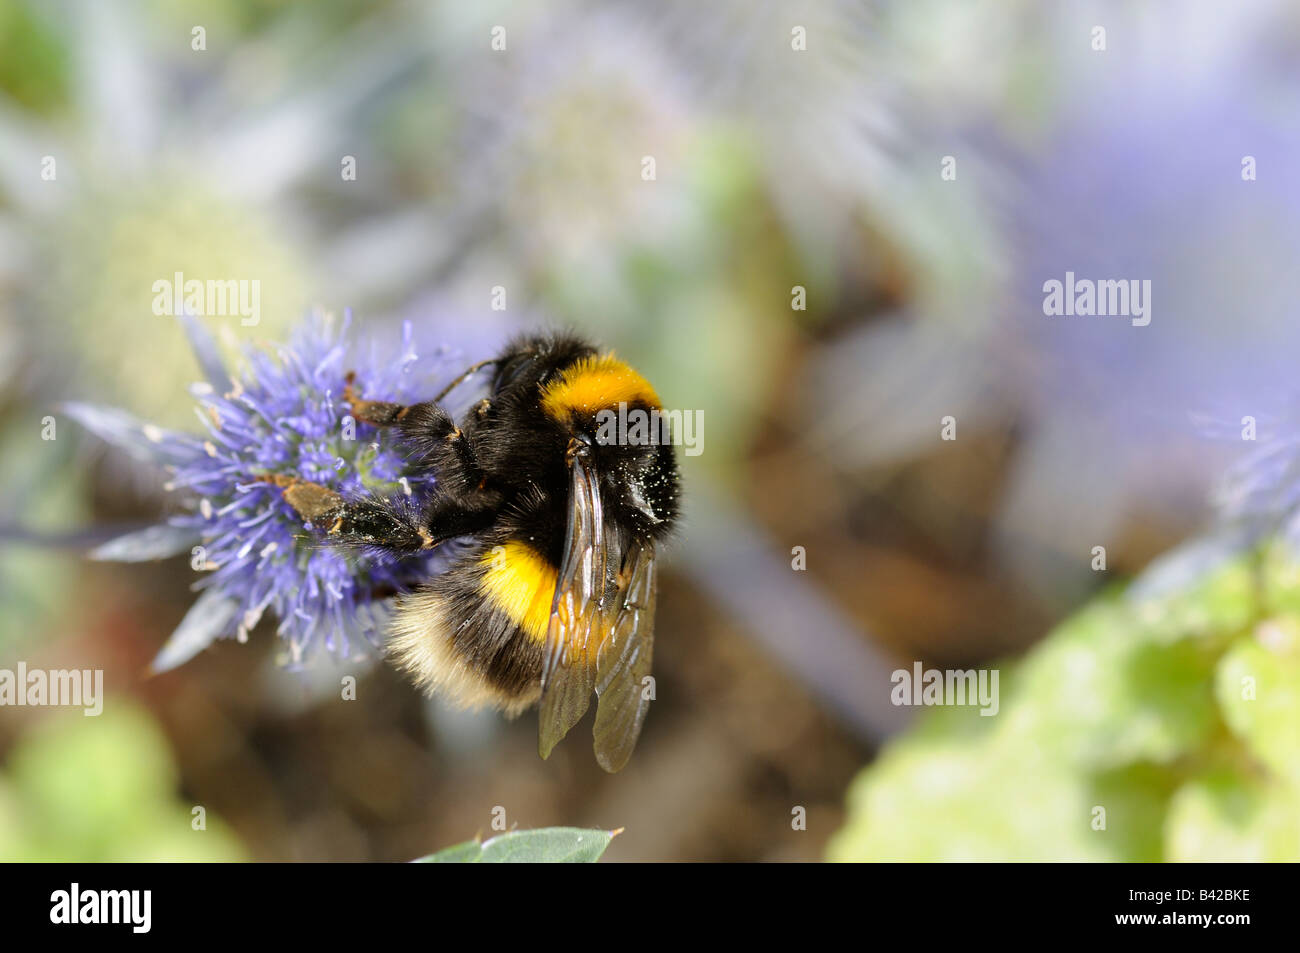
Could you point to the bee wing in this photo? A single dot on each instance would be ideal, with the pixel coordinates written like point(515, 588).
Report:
point(577, 624)
point(623, 660)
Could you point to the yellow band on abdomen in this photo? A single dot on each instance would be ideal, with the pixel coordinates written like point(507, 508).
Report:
point(522, 585)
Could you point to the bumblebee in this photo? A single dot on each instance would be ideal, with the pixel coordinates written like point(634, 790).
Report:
point(554, 595)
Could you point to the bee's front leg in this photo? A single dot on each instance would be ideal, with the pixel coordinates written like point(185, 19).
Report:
point(429, 431)
point(408, 418)
point(367, 522)
point(393, 525)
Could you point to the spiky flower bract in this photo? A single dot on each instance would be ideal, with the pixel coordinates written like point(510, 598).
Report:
point(281, 419)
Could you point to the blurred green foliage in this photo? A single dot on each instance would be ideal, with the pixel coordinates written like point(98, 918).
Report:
point(103, 788)
point(1178, 715)
point(33, 60)
point(105, 253)
point(46, 494)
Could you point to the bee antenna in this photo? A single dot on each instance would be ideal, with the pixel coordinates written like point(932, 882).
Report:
point(465, 375)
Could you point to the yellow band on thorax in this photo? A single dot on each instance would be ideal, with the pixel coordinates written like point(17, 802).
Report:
point(593, 384)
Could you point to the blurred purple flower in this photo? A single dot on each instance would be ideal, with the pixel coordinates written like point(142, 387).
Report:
point(280, 419)
point(1142, 171)
point(1259, 495)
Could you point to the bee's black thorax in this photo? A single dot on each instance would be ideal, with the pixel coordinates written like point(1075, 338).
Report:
point(547, 391)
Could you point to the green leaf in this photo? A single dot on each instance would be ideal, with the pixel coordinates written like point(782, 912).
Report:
point(470, 852)
point(1135, 799)
point(1105, 691)
point(1258, 688)
point(997, 798)
point(1229, 816)
point(1117, 716)
point(549, 845)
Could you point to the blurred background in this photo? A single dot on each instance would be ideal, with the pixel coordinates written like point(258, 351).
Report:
point(853, 210)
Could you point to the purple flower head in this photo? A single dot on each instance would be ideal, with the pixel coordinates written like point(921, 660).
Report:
point(281, 420)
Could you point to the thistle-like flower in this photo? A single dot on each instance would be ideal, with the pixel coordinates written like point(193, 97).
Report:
point(281, 422)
